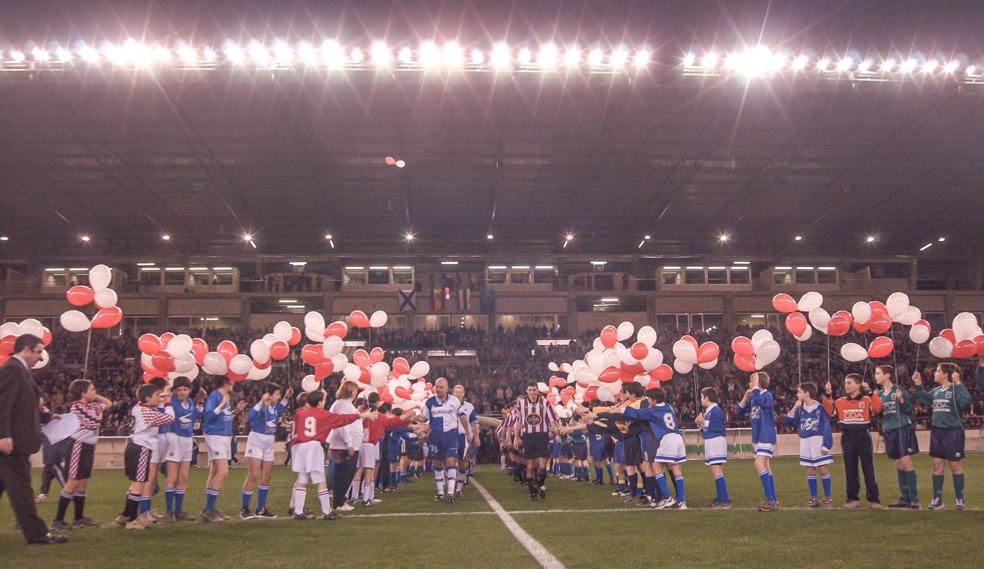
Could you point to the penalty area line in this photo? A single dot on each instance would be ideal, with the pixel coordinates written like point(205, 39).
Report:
point(536, 549)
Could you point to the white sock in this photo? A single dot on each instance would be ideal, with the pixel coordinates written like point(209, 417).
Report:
point(325, 501)
point(353, 491)
point(461, 477)
point(298, 503)
point(452, 478)
point(439, 479)
point(368, 492)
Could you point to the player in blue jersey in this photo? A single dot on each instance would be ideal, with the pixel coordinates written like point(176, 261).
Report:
point(468, 439)
point(711, 423)
point(264, 419)
point(758, 405)
point(395, 455)
point(816, 438)
point(217, 428)
point(441, 413)
point(179, 449)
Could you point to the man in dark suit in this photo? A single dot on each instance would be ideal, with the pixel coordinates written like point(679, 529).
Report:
point(20, 437)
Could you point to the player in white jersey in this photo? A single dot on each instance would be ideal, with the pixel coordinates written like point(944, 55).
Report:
point(441, 413)
point(468, 439)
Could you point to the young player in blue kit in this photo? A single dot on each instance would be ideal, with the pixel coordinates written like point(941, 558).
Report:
point(758, 405)
point(711, 423)
point(816, 438)
point(264, 419)
point(179, 449)
point(217, 428)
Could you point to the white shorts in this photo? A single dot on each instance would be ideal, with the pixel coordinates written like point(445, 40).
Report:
point(715, 450)
point(308, 460)
point(178, 448)
point(159, 448)
point(260, 446)
point(368, 455)
point(811, 452)
point(671, 449)
point(219, 447)
point(765, 449)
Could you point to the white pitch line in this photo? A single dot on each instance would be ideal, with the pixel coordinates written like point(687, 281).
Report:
point(540, 553)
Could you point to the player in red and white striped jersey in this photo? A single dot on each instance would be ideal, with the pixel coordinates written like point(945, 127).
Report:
point(535, 422)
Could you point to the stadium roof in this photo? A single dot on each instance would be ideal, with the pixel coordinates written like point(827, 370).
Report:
point(289, 156)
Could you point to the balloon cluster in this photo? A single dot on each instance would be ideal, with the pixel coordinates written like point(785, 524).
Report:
point(688, 353)
point(10, 331)
point(98, 292)
point(316, 330)
point(753, 354)
point(170, 355)
point(964, 340)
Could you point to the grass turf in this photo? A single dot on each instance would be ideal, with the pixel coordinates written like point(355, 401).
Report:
point(475, 538)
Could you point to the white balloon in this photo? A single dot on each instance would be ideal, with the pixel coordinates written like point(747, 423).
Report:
point(652, 360)
point(941, 347)
point(32, 322)
point(240, 364)
point(566, 368)
point(309, 384)
point(260, 351)
point(606, 393)
point(43, 360)
point(611, 358)
point(420, 369)
point(896, 303)
point(819, 318)
point(807, 334)
point(963, 328)
point(624, 331)
point(809, 301)
point(215, 364)
point(332, 346)
point(625, 356)
point(352, 372)
point(684, 350)
point(283, 330)
point(909, 316)
point(74, 321)
point(314, 320)
point(106, 298)
point(597, 345)
point(595, 360)
point(861, 312)
point(32, 327)
point(99, 277)
point(184, 362)
point(542, 387)
point(192, 373)
point(585, 375)
point(339, 361)
point(378, 319)
point(853, 352)
point(315, 335)
point(682, 367)
point(180, 344)
point(707, 365)
point(759, 337)
point(647, 335)
point(919, 334)
point(968, 316)
point(552, 366)
point(377, 374)
point(259, 374)
point(766, 353)
point(10, 329)
point(269, 339)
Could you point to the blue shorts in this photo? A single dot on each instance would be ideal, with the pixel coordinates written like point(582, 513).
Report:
point(648, 445)
point(619, 452)
point(556, 450)
point(947, 444)
point(579, 451)
point(461, 446)
point(443, 445)
point(597, 443)
point(901, 442)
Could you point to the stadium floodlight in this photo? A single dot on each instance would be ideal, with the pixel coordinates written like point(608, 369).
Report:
point(618, 57)
point(209, 55)
point(595, 57)
point(888, 65)
point(844, 65)
point(40, 55)
point(689, 58)
point(4, 238)
point(951, 66)
point(162, 55)
point(970, 70)
point(709, 61)
point(501, 55)
point(356, 55)
point(135, 53)
point(723, 238)
point(756, 61)
point(235, 54)
point(328, 236)
point(941, 239)
point(453, 56)
point(409, 236)
point(89, 54)
point(798, 238)
point(909, 65)
point(283, 54)
point(800, 63)
point(259, 53)
point(823, 64)
point(165, 237)
point(477, 57)
point(114, 54)
point(405, 56)
point(63, 55)
point(869, 239)
point(247, 236)
point(307, 53)
point(864, 66)
point(548, 56)
point(401, 164)
point(429, 55)
point(572, 56)
point(380, 54)
point(332, 54)
point(642, 58)
point(490, 237)
point(188, 55)
point(85, 238)
point(525, 56)
point(926, 246)
point(17, 55)
point(930, 66)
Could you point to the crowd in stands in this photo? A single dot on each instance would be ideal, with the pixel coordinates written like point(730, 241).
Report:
point(506, 359)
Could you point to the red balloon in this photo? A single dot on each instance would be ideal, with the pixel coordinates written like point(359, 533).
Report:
point(979, 342)
point(838, 325)
point(879, 323)
point(880, 347)
point(311, 354)
point(402, 392)
point(949, 335)
point(401, 366)
point(199, 347)
point(364, 376)
point(236, 378)
point(862, 328)
point(653, 385)
point(323, 369)
point(663, 372)
point(7, 345)
point(923, 323)
point(150, 370)
point(359, 319)
point(80, 295)
point(609, 375)
point(708, 352)
point(626, 377)
point(226, 349)
point(878, 306)
point(796, 323)
point(376, 355)
point(295, 336)
point(591, 393)
point(166, 338)
point(964, 349)
point(745, 363)
point(163, 361)
point(46, 338)
point(784, 303)
point(742, 346)
point(337, 328)
point(639, 350)
point(279, 350)
point(551, 399)
point(631, 369)
point(149, 344)
point(609, 335)
point(361, 358)
point(691, 339)
point(107, 318)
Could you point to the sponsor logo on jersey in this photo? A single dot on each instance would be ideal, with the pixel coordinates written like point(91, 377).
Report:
point(533, 419)
point(853, 415)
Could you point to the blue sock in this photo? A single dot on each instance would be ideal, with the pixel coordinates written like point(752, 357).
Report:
point(621, 487)
point(680, 489)
point(599, 474)
point(169, 500)
point(179, 500)
point(661, 485)
point(210, 497)
point(247, 497)
point(144, 505)
point(649, 484)
point(764, 478)
point(772, 487)
point(721, 485)
point(825, 479)
point(633, 480)
point(811, 481)
point(261, 498)
point(611, 474)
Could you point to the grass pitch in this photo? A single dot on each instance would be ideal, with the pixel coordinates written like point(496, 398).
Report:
point(580, 524)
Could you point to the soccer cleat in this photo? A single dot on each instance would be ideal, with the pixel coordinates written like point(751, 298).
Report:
point(329, 517)
point(59, 525)
point(135, 524)
point(874, 505)
point(828, 504)
point(303, 516)
point(714, 504)
point(665, 503)
point(346, 507)
point(245, 514)
point(147, 519)
point(212, 517)
point(851, 505)
point(813, 502)
point(914, 504)
point(265, 514)
point(900, 503)
point(616, 493)
point(183, 517)
point(959, 504)
point(451, 499)
point(768, 506)
point(680, 506)
point(84, 523)
point(723, 506)
point(121, 520)
point(367, 504)
point(458, 493)
point(936, 504)
point(439, 497)
point(40, 498)
point(543, 492)
point(224, 517)
point(169, 518)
